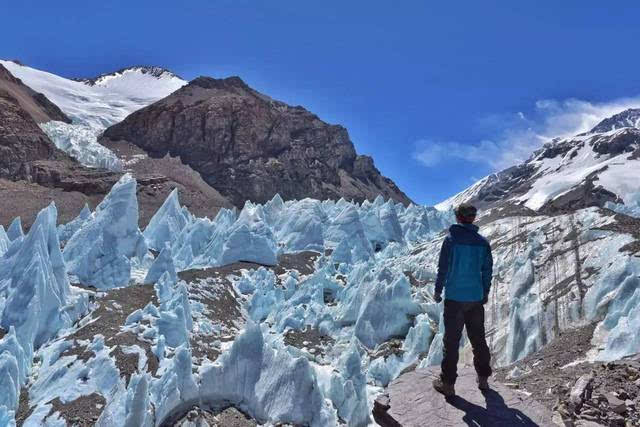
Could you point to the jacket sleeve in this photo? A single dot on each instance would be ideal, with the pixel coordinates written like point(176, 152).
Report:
point(487, 270)
point(443, 264)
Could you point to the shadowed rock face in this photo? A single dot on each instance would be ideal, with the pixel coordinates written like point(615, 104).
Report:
point(250, 147)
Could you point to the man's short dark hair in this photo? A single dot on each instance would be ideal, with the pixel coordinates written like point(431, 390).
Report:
point(466, 213)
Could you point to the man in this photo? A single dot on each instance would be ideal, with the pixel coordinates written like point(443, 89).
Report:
point(464, 271)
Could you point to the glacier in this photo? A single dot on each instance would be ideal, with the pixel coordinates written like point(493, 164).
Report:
point(101, 252)
point(15, 229)
point(353, 281)
point(81, 143)
point(65, 231)
point(36, 301)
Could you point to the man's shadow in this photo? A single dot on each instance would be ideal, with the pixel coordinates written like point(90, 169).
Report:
point(497, 413)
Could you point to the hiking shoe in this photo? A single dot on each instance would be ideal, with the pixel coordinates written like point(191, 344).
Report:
point(444, 388)
point(483, 383)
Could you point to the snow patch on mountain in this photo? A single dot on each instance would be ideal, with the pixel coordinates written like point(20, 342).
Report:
point(589, 169)
point(94, 107)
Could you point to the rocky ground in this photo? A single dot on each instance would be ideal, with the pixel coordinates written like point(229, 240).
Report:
point(215, 304)
point(201, 199)
point(579, 392)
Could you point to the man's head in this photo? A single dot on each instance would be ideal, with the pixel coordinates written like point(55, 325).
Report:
point(466, 213)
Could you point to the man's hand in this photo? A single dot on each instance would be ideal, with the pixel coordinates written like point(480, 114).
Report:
point(485, 299)
point(437, 297)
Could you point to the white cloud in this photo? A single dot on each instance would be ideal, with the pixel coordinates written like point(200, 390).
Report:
point(517, 135)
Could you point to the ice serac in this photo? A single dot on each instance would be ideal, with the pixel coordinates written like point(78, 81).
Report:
point(15, 229)
point(37, 287)
point(4, 241)
point(267, 383)
point(175, 319)
point(417, 343)
point(65, 231)
point(348, 388)
point(250, 239)
point(347, 225)
point(101, 252)
point(385, 309)
point(38, 301)
point(300, 226)
point(167, 222)
point(162, 264)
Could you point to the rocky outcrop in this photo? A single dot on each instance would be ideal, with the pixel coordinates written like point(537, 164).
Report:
point(410, 400)
point(627, 118)
point(250, 147)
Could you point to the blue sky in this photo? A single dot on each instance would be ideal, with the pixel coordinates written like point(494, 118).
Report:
point(439, 93)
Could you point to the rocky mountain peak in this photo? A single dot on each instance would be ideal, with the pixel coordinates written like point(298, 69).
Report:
point(154, 71)
point(566, 174)
point(627, 118)
point(226, 83)
point(250, 147)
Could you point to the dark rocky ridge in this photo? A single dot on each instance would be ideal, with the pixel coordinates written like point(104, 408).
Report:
point(250, 147)
point(626, 118)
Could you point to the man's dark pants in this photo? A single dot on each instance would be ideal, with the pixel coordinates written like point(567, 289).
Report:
point(456, 316)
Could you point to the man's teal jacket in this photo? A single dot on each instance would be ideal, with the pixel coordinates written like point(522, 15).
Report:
point(465, 266)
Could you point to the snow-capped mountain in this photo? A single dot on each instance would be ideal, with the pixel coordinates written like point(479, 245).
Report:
point(107, 79)
point(251, 147)
point(592, 169)
point(627, 119)
point(95, 104)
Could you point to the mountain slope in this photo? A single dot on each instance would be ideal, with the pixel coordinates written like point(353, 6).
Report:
point(34, 171)
point(108, 100)
point(21, 140)
point(250, 147)
point(590, 169)
point(36, 104)
point(94, 104)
